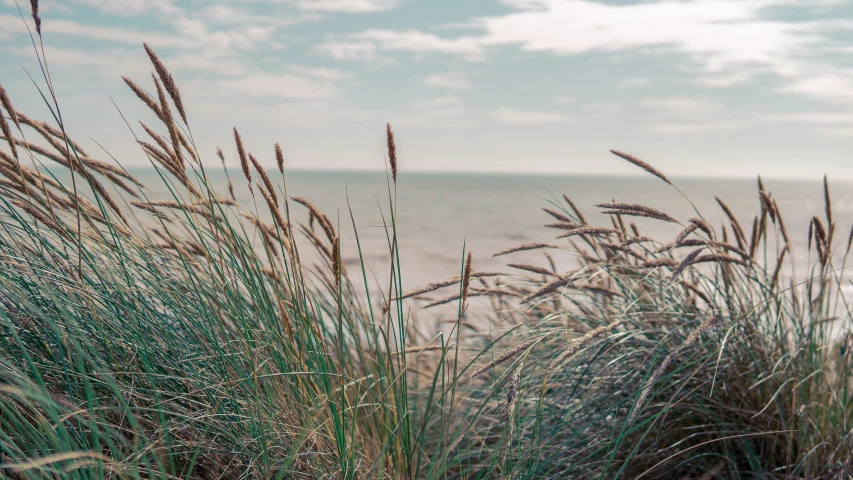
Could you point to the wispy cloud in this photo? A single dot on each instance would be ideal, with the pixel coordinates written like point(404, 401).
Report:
point(450, 80)
point(634, 82)
point(346, 6)
point(725, 42)
point(515, 116)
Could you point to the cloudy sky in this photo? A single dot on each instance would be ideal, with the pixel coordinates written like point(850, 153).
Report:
point(696, 87)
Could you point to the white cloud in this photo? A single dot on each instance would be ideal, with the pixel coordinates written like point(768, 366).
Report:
point(441, 106)
point(833, 86)
point(680, 106)
point(601, 110)
point(281, 86)
point(349, 50)
point(346, 6)
point(450, 80)
point(724, 42)
point(565, 99)
point(634, 82)
point(514, 116)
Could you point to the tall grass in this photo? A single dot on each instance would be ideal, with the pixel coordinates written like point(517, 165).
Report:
point(193, 337)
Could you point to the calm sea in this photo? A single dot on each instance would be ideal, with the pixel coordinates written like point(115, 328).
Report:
point(439, 213)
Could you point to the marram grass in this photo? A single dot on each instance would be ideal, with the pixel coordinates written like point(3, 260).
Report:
point(189, 337)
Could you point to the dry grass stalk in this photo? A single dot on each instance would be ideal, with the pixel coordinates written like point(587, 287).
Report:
point(563, 225)
point(575, 209)
point(506, 356)
point(768, 204)
point(316, 241)
point(701, 224)
point(636, 210)
point(274, 210)
point(635, 230)
point(645, 166)
point(336, 261)
point(170, 122)
point(578, 343)
point(230, 185)
point(781, 223)
point(100, 190)
point(548, 288)
point(753, 243)
point(532, 268)
point(778, 268)
point(34, 8)
point(241, 153)
point(718, 258)
point(647, 389)
point(265, 178)
point(6, 103)
point(164, 160)
point(559, 216)
point(635, 240)
point(695, 242)
point(524, 247)
point(849, 241)
point(7, 133)
point(589, 231)
point(392, 151)
point(466, 278)
point(52, 134)
point(279, 158)
point(41, 217)
point(145, 97)
point(168, 81)
point(445, 283)
point(486, 292)
point(688, 260)
point(322, 219)
point(736, 227)
point(827, 201)
point(684, 233)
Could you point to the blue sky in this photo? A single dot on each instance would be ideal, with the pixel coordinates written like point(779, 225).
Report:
point(696, 87)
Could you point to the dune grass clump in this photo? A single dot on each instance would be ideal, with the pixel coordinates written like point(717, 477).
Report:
point(197, 337)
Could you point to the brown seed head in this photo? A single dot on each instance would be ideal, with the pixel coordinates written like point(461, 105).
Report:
point(264, 177)
point(827, 201)
point(168, 81)
point(7, 105)
point(392, 151)
point(7, 133)
point(279, 157)
point(336, 261)
point(143, 95)
point(34, 7)
point(241, 152)
point(466, 278)
point(645, 166)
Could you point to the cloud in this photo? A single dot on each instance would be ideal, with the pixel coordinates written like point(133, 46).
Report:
point(565, 99)
point(601, 110)
point(450, 80)
point(287, 86)
point(346, 6)
point(514, 116)
point(633, 82)
point(441, 106)
point(720, 42)
point(681, 106)
point(832, 86)
point(365, 45)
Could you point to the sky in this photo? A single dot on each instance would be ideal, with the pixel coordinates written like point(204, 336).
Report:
point(694, 87)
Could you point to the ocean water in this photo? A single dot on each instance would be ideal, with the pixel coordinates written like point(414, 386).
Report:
point(438, 214)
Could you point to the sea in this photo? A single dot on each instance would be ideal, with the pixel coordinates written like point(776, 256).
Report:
point(441, 215)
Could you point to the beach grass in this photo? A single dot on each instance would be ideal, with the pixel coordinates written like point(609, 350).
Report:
point(196, 337)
